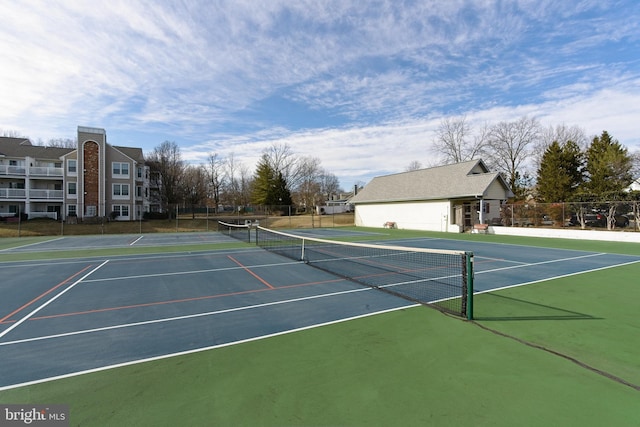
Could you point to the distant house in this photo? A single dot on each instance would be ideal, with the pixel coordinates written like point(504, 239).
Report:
point(339, 203)
point(449, 198)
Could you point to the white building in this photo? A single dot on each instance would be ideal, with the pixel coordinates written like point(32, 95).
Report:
point(450, 198)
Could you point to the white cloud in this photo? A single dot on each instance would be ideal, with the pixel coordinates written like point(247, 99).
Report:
point(382, 74)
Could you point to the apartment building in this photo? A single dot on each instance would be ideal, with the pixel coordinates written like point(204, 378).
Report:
point(94, 180)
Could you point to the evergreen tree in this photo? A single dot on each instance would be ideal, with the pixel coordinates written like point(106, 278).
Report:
point(262, 182)
point(608, 167)
point(269, 185)
point(560, 172)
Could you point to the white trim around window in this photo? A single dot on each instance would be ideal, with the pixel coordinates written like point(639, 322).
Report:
point(120, 169)
point(72, 167)
point(120, 191)
point(72, 190)
point(122, 212)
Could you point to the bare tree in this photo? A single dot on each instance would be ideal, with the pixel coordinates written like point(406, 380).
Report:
point(329, 184)
point(194, 187)
point(165, 163)
point(413, 166)
point(282, 159)
point(509, 146)
point(232, 188)
point(560, 133)
point(635, 164)
point(237, 182)
point(245, 181)
point(63, 142)
point(454, 141)
point(215, 177)
point(308, 188)
point(8, 133)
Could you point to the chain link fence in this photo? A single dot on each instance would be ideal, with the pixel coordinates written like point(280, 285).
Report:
point(178, 219)
point(618, 215)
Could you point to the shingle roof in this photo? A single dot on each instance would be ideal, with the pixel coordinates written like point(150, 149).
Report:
point(134, 153)
point(460, 180)
point(21, 147)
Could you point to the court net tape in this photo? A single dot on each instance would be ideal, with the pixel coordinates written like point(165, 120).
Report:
point(237, 231)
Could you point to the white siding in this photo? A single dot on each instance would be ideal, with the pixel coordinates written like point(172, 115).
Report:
point(432, 216)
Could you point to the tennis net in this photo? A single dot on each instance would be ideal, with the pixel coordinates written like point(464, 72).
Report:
point(439, 278)
point(237, 231)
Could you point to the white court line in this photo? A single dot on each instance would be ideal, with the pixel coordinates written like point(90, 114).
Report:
point(187, 316)
point(557, 277)
point(536, 263)
point(30, 244)
point(144, 257)
point(209, 270)
point(28, 316)
point(198, 350)
point(136, 241)
point(211, 313)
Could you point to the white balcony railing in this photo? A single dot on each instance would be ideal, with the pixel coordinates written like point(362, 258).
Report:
point(20, 193)
point(46, 194)
point(41, 171)
point(13, 193)
point(12, 170)
point(45, 171)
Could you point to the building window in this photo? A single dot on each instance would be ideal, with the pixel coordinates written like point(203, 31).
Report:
point(72, 210)
point(91, 211)
point(72, 189)
point(72, 166)
point(121, 211)
point(120, 170)
point(140, 172)
point(121, 190)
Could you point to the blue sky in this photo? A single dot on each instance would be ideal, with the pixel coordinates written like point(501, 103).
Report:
point(361, 85)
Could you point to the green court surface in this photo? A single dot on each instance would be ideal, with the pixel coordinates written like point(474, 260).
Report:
point(562, 352)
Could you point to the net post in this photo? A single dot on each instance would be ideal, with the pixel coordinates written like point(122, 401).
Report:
point(469, 256)
point(302, 254)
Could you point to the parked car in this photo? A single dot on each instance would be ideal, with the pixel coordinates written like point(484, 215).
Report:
point(599, 220)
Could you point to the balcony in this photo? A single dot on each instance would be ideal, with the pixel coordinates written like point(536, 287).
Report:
point(35, 171)
point(46, 171)
point(13, 170)
point(13, 193)
point(46, 194)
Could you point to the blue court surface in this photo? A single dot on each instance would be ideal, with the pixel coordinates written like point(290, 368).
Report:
point(63, 317)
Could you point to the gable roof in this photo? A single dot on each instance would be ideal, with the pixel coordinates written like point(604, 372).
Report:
point(131, 152)
point(459, 180)
point(22, 147)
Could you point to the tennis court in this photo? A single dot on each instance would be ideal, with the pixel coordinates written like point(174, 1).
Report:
point(62, 317)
